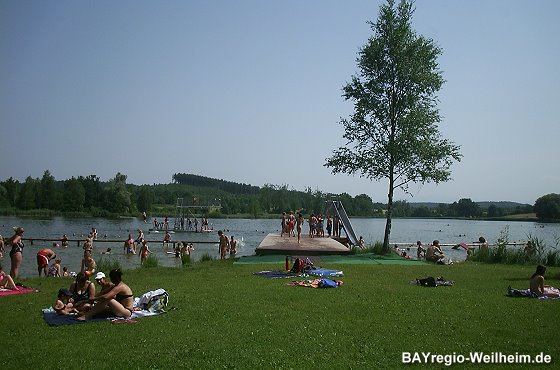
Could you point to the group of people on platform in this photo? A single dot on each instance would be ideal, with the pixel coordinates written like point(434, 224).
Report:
point(289, 224)
point(183, 224)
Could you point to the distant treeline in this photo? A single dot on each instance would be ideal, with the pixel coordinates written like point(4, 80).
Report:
point(90, 196)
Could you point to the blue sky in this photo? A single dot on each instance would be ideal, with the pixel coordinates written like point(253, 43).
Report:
point(250, 91)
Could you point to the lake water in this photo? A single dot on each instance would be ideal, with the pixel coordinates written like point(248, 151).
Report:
point(250, 233)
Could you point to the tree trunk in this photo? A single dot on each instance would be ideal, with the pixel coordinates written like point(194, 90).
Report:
point(388, 222)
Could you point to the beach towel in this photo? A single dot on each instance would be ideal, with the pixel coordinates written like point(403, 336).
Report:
point(22, 290)
point(321, 272)
point(276, 274)
point(317, 283)
point(526, 293)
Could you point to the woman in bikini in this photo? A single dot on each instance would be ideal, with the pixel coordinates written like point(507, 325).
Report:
point(118, 301)
point(82, 291)
point(537, 287)
point(16, 252)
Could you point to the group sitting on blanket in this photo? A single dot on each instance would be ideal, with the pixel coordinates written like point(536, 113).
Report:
point(115, 297)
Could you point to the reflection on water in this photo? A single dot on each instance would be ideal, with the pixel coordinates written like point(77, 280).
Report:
point(249, 234)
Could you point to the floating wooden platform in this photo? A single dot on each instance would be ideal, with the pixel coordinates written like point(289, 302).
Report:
point(276, 244)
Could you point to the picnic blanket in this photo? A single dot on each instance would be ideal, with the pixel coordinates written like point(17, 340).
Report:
point(21, 290)
point(317, 283)
point(526, 293)
point(276, 274)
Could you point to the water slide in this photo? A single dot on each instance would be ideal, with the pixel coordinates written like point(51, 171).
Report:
point(337, 208)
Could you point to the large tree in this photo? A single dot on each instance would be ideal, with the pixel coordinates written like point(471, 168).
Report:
point(393, 134)
point(547, 207)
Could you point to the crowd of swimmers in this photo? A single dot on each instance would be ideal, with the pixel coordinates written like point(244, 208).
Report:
point(49, 263)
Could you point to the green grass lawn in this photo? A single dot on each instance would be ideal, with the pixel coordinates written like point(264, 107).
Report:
point(228, 318)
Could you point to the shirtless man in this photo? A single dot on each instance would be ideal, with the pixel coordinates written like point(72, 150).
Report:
point(434, 252)
point(299, 226)
point(43, 258)
point(224, 244)
point(129, 246)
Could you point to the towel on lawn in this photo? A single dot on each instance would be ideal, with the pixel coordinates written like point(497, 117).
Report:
point(517, 293)
point(321, 272)
point(21, 290)
point(276, 274)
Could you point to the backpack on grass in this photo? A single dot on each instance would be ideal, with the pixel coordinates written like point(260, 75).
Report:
point(154, 301)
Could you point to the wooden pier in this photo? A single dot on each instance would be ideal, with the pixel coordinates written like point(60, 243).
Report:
point(276, 244)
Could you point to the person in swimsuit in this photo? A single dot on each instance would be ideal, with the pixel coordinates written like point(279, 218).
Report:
point(105, 284)
point(54, 270)
point(144, 251)
point(299, 226)
point(43, 258)
point(537, 287)
point(6, 281)
point(16, 252)
point(64, 241)
point(88, 263)
point(82, 291)
point(2, 250)
point(434, 252)
point(224, 244)
point(232, 247)
point(63, 306)
point(118, 301)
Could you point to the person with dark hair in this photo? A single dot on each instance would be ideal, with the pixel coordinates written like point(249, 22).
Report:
point(82, 291)
point(43, 258)
point(537, 287)
point(117, 301)
point(420, 251)
point(299, 226)
point(16, 252)
point(434, 252)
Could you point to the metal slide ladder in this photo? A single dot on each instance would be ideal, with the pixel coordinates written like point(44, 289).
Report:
point(337, 207)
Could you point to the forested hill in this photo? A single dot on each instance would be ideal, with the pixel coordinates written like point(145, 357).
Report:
point(202, 181)
point(90, 196)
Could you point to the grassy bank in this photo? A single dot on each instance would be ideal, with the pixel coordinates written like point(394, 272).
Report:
point(228, 318)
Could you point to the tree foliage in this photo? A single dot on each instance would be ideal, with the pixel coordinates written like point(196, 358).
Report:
point(392, 134)
point(547, 207)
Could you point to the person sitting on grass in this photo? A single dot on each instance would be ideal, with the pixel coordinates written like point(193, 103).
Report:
point(434, 252)
point(118, 301)
point(420, 251)
point(537, 287)
point(63, 306)
point(6, 281)
point(82, 291)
